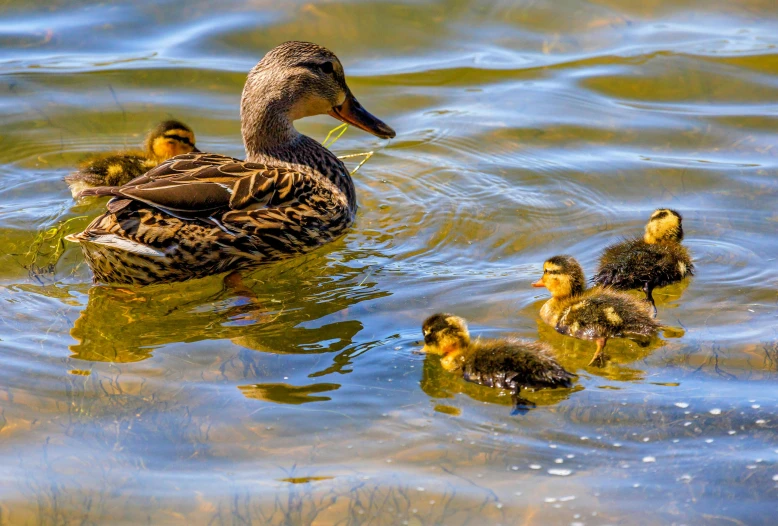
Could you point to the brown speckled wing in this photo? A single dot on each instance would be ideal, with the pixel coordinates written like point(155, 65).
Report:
point(199, 185)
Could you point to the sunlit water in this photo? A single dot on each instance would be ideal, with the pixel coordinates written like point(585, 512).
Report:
point(525, 130)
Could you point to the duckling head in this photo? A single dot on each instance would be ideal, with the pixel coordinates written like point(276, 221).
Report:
point(664, 225)
point(562, 276)
point(168, 139)
point(296, 80)
point(445, 334)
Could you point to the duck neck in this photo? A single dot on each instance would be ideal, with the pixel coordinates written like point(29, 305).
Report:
point(551, 310)
point(266, 125)
point(452, 359)
point(271, 138)
point(453, 349)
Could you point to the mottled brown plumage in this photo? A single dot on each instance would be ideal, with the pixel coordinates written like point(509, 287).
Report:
point(656, 260)
point(201, 214)
point(507, 363)
point(595, 314)
point(167, 139)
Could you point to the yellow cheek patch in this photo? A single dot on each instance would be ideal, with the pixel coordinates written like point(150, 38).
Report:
point(611, 315)
point(160, 148)
point(558, 285)
point(164, 147)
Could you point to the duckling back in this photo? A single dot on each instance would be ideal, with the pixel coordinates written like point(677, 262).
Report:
point(605, 313)
point(512, 364)
point(634, 263)
point(112, 170)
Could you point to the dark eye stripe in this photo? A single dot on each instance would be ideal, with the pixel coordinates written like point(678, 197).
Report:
point(326, 67)
point(660, 215)
point(180, 138)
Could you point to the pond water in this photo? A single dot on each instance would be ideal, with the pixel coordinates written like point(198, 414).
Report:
point(525, 129)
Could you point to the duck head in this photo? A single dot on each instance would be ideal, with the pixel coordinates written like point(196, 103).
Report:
point(168, 139)
point(562, 276)
point(296, 80)
point(664, 225)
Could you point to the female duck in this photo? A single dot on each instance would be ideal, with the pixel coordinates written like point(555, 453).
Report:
point(505, 363)
point(656, 260)
point(595, 314)
point(167, 139)
point(201, 214)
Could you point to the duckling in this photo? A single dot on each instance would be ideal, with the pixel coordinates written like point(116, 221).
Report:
point(657, 260)
point(167, 139)
point(504, 364)
point(595, 314)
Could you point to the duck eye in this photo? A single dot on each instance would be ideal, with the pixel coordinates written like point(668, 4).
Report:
point(327, 68)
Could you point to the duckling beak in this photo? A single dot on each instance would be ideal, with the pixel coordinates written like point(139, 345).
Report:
point(539, 284)
point(352, 112)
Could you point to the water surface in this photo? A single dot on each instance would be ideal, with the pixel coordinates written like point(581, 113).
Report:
point(525, 129)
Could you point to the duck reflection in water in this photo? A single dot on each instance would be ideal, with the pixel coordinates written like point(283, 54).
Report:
point(280, 393)
point(507, 363)
point(127, 325)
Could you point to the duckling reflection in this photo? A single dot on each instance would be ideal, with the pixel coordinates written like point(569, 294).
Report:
point(577, 354)
point(596, 314)
point(167, 139)
point(656, 260)
point(127, 325)
point(507, 363)
point(288, 394)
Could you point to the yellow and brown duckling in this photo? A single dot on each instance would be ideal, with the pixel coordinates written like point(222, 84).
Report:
point(167, 139)
point(596, 314)
point(201, 214)
point(656, 260)
point(501, 363)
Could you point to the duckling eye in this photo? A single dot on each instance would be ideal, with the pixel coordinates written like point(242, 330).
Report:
point(327, 68)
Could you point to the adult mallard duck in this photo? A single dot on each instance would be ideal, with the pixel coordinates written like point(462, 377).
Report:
point(596, 314)
point(656, 260)
point(167, 139)
point(200, 213)
point(506, 363)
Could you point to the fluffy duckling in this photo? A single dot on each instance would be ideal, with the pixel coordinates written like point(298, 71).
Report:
point(505, 363)
point(657, 260)
point(595, 314)
point(167, 139)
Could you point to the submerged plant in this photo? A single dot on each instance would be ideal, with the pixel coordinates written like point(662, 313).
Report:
point(335, 134)
point(46, 249)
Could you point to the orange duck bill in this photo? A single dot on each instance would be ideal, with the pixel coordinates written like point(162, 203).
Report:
point(352, 112)
point(539, 284)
